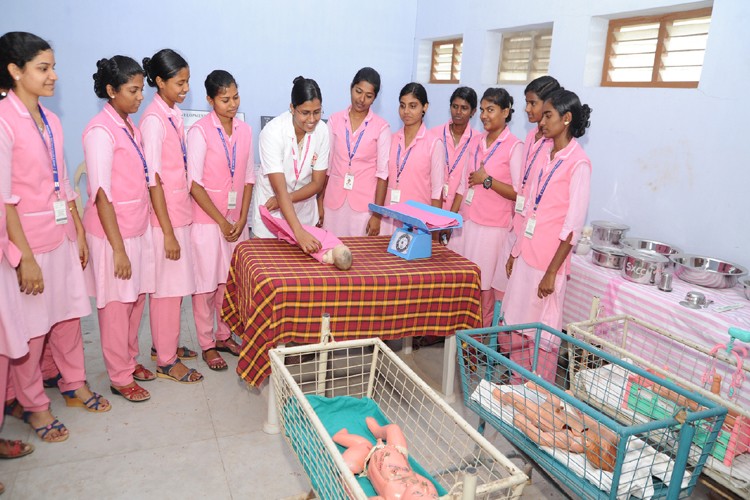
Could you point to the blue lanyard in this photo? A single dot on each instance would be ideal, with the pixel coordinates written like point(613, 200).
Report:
point(544, 187)
point(145, 167)
point(528, 169)
point(356, 145)
point(182, 143)
point(445, 145)
point(231, 164)
point(51, 149)
point(400, 166)
point(486, 158)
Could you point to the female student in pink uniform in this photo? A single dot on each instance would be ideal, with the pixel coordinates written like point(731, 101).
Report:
point(535, 93)
point(358, 166)
point(492, 179)
point(416, 162)
point(43, 223)
point(221, 177)
point(458, 138)
point(14, 343)
point(165, 149)
point(540, 260)
point(294, 149)
point(116, 219)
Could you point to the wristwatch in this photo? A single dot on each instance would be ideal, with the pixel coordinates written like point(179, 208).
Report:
point(487, 182)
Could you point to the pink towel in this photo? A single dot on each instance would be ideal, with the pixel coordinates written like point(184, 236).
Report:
point(430, 219)
point(283, 231)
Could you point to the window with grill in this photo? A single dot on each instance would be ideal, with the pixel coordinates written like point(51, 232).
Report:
point(658, 51)
point(446, 61)
point(524, 56)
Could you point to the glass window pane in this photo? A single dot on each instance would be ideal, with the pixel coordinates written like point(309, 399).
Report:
point(633, 61)
point(681, 74)
point(630, 75)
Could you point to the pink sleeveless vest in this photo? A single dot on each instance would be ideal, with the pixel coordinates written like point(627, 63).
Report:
point(128, 187)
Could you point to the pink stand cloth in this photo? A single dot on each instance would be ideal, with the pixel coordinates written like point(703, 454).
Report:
point(431, 220)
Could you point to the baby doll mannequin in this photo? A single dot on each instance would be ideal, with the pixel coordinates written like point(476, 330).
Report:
point(386, 464)
point(549, 424)
point(332, 251)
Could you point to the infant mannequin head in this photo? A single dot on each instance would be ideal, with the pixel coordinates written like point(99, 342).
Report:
point(342, 257)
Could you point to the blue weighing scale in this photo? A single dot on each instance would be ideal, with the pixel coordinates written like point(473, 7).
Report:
point(413, 240)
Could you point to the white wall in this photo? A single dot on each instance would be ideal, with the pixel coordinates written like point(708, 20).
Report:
point(665, 161)
point(265, 44)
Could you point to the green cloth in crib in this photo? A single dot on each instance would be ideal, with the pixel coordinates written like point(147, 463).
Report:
point(348, 412)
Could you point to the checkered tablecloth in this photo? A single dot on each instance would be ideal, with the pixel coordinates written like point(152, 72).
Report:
point(276, 294)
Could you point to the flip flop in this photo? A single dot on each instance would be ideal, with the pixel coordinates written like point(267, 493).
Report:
point(51, 382)
point(183, 352)
point(143, 374)
point(164, 372)
point(129, 392)
point(216, 364)
point(42, 431)
point(92, 404)
point(17, 449)
point(14, 409)
point(229, 346)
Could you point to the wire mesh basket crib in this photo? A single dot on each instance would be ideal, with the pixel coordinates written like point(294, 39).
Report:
point(716, 373)
point(594, 453)
point(456, 456)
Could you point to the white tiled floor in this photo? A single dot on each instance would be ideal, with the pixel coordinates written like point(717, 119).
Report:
point(188, 441)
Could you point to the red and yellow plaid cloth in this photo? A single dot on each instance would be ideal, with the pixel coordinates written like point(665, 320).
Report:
point(276, 294)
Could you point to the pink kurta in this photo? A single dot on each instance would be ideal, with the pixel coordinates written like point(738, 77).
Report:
point(163, 141)
point(455, 159)
point(115, 165)
point(487, 219)
point(417, 172)
point(14, 343)
point(210, 166)
point(561, 211)
point(26, 181)
point(365, 157)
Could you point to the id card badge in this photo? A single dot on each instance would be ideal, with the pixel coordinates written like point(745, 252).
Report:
point(469, 196)
point(530, 226)
point(520, 202)
point(232, 201)
point(395, 195)
point(60, 208)
point(349, 182)
point(445, 191)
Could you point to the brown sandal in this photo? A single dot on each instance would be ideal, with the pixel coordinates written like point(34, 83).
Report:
point(216, 364)
point(229, 346)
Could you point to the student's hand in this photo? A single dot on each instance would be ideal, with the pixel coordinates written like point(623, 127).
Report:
point(477, 177)
point(307, 242)
point(29, 275)
point(83, 250)
point(123, 270)
point(237, 229)
point(509, 265)
point(373, 226)
point(547, 285)
point(171, 247)
point(226, 229)
point(321, 216)
point(272, 204)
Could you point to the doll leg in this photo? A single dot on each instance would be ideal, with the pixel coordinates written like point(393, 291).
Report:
point(391, 433)
point(357, 449)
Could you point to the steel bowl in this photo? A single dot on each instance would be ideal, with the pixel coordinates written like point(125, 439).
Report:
point(746, 286)
point(609, 257)
point(608, 234)
point(652, 246)
point(706, 271)
point(641, 267)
